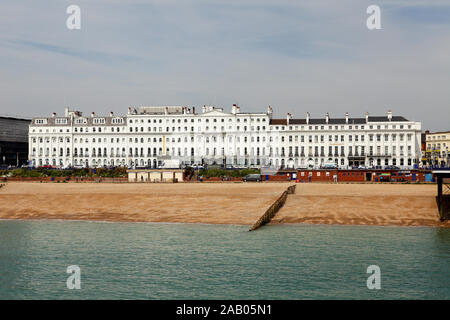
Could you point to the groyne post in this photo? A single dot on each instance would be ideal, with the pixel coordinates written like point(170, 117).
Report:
point(273, 209)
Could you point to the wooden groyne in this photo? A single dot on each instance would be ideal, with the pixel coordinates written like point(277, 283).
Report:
point(273, 209)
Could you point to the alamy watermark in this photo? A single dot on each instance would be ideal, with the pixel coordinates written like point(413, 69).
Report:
point(374, 280)
point(374, 20)
point(73, 22)
point(74, 280)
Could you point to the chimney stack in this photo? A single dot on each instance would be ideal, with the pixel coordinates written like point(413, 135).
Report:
point(129, 110)
point(367, 117)
point(389, 115)
point(234, 108)
point(307, 118)
point(92, 114)
point(288, 117)
point(346, 117)
point(327, 117)
point(111, 114)
point(53, 114)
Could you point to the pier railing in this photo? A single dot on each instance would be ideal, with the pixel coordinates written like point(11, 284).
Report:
point(273, 209)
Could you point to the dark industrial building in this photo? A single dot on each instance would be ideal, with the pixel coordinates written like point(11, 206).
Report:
point(13, 141)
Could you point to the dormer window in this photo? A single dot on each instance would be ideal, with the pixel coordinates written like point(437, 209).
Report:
point(99, 121)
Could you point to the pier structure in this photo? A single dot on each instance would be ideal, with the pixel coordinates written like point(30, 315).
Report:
point(443, 196)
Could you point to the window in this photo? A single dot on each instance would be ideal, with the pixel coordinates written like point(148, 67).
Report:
point(117, 121)
point(61, 121)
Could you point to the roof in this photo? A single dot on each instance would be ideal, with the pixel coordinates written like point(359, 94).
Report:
point(89, 121)
point(15, 118)
point(337, 120)
point(437, 132)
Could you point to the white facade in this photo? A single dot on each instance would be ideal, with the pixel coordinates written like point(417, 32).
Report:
point(148, 137)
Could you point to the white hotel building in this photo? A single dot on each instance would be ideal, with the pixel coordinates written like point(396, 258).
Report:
point(151, 135)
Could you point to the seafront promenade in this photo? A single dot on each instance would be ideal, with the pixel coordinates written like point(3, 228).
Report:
point(223, 203)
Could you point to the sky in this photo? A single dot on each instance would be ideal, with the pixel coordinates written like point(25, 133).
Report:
point(297, 56)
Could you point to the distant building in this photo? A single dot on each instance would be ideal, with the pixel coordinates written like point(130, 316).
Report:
point(13, 140)
point(437, 148)
point(424, 147)
point(152, 135)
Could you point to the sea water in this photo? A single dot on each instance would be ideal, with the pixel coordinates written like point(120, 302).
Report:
point(194, 261)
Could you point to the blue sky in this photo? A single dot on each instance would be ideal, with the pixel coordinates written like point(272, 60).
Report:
point(297, 56)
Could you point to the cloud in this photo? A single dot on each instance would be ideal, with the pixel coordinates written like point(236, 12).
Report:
point(94, 56)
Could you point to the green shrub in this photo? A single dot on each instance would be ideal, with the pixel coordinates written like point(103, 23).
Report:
point(229, 173)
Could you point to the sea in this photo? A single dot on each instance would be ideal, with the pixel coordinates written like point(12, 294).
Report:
point(48, 259)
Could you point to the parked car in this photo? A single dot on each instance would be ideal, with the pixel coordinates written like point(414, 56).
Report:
point(196, 166)
point(252, 177)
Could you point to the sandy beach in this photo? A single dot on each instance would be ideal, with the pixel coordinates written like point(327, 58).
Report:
point(223, 203)
point(362, 204)
point(216, 203)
